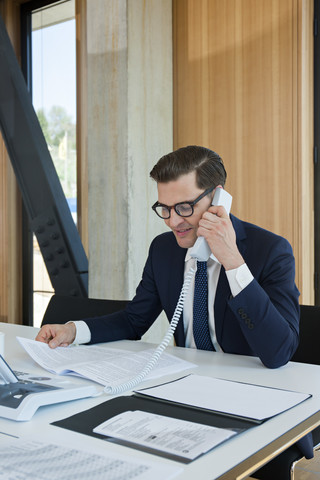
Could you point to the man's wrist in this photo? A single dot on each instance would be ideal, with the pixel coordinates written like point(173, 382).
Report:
point(233, 262)
point(239, 278)
point(82, 332)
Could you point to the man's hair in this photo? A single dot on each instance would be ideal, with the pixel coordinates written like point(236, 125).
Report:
point(207, 164)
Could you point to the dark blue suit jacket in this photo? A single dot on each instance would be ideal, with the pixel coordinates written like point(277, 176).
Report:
point(262, 320)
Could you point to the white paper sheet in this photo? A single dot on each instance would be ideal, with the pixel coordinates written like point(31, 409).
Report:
point(27, 459)
point(176, 437)
point(241, 399)
point(103, 365)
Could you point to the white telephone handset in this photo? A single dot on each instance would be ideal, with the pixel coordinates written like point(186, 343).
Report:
point(201, 250)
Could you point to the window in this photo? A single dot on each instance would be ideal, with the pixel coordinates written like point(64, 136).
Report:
point(51, 63)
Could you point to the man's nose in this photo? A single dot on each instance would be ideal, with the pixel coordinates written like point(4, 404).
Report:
point(175, 219)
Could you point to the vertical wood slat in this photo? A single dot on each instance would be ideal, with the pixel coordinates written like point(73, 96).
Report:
point(10, 207)
point(3, 235)
point(242, 86)
point(82, 124)
point(305, 128)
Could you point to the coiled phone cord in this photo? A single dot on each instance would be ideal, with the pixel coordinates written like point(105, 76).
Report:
point(122, 387)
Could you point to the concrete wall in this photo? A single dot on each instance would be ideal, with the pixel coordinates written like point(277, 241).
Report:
point(129, 44)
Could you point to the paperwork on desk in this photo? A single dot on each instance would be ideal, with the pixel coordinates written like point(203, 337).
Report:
point(30, 459)
point(184, 439)
point(226, 396)
point(103, 365)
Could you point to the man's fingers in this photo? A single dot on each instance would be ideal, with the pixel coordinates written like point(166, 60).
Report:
point(55, 342)
point(57, 335)
point(218, 210)
point(44, 334)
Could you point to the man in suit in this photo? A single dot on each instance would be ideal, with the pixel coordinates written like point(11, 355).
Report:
point(252, 298)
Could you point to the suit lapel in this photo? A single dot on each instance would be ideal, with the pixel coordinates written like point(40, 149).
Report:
point(175, 284)
point(223, 293)
point(220, 303)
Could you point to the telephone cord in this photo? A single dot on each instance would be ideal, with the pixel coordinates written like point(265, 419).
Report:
point(122, 387)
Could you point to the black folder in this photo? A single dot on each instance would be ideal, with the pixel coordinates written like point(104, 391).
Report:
point(84, 422)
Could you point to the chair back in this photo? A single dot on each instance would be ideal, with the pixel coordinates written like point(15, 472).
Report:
point(308, 350)
point(62, 309)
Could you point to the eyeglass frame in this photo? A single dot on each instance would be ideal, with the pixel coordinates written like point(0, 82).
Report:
point(191, 204)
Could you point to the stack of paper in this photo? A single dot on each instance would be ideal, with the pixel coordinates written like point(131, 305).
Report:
point(103, 365)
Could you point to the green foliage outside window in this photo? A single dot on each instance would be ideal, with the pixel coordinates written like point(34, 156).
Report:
point(60, 134)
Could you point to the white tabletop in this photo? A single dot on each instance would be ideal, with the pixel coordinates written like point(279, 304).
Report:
point(238, 453)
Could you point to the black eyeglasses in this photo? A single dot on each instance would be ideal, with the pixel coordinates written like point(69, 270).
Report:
point(184, 209)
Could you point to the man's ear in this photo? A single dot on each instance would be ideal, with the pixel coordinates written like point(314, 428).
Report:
point(214, 191)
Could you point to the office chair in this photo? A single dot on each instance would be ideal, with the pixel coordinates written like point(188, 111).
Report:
point(61, 308)
point(282, 467)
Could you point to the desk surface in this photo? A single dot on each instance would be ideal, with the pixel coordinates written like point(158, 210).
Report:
point(236, 458)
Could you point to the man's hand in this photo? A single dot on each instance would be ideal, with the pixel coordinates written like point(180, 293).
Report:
point(57, 335)
point(216, 227)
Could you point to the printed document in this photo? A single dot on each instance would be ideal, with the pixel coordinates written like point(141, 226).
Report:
point(177, 437)
point(226, 396)
point(103, 365)
point(30, 459)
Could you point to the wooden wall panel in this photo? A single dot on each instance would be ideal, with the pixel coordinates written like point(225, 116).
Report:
point(82, 122)
point(10, 207)
point(239, 89)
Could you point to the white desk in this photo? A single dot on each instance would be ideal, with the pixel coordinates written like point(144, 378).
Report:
point(236, 458)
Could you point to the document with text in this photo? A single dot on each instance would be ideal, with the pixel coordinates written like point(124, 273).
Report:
point(176, 437)
point(31, 459)
point(99, 363)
